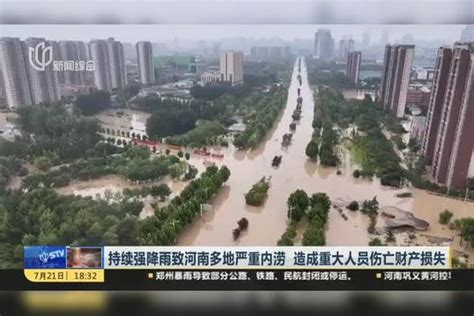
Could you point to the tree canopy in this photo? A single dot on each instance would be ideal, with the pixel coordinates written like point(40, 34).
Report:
point(95, 102)
point(167, 123)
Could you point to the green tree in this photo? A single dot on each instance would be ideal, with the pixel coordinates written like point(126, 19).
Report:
point(312, 150)
point(314, 234)
point(257, 194)
point(90, 104)
point(353, 206)
point(127, 231)
point(370, 206)
point(445, 216)
point(167, 123)
point(298, 203)
point(161, 190)
point(467, 230)
point(376, 242)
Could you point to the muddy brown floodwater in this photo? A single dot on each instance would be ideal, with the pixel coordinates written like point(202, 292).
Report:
point(268, 222)
point(113, 184)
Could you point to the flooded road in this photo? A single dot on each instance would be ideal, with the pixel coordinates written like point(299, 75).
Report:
point(267, 223)
point(111, 186)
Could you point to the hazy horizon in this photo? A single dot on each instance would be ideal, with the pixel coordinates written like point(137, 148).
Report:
point(200, 32)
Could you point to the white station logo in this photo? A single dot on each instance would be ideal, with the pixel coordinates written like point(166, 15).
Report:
point(40, 56)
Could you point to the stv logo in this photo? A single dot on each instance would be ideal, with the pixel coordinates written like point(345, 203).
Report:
point(40, 57)
point(44, 257)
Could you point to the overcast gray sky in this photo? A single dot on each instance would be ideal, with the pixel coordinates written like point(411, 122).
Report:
point(237, 11)
point(164, 33)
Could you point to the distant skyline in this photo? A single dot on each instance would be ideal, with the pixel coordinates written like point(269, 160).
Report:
point(171, 33)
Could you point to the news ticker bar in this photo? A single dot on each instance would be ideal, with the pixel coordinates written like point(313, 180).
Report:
point(230, 279)
point(215, 258)
point(236, 268)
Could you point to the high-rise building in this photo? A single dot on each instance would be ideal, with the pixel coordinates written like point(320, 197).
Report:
point(232, 67)
point(57, 57)
point(84, 54)
point(118, 72)
point(99, 54)
point(14, 73)
point(82, 50)
point(69, 50)
point(454, 141)
point(265, 53)
point(323, 44)
point(146, 71)
point(110, 71)
point(353, 66)
point(345, 47)
point(438, 92)
point(44, 85)
point(398, 60)
point(259, 52)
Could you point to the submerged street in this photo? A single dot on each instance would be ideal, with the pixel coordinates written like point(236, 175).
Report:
point(268, 222)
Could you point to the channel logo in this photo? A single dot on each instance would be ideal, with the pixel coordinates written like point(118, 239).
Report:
point(40, 56)
point(45, 257)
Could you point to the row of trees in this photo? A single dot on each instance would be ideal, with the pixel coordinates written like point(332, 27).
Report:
point(9, 167)
point(371, 209)
point(466, 229)
point(465, 226)
point(217, 102)
point(316, 209)
point(287, 239)
point(161, 190)
point(369, 146)
point(172, 118)
point(258, 193)
point(206, 133)
point(319, 205)
point(323, 146)
point(262, 119)
point(135, 164)
point(54, 129)
point(374, 152)
point(327, 150)
point(214, 91)
point(43, 217)
point(164, 227)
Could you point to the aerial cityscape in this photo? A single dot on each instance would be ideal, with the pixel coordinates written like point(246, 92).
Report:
point(289, 135)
